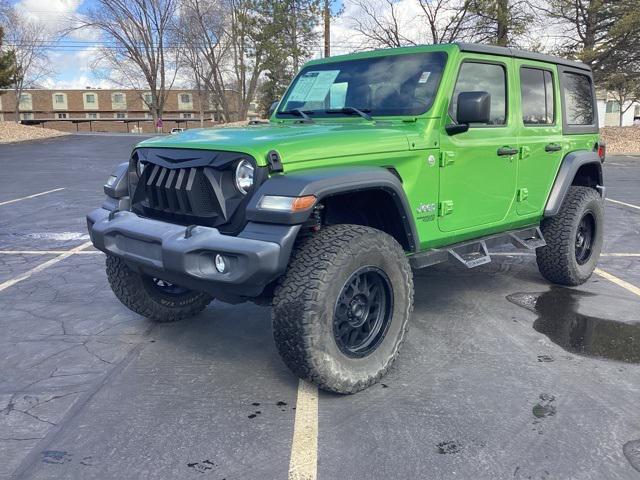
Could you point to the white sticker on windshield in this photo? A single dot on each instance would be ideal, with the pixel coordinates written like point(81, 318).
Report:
point(424, 78)
point(313, 86)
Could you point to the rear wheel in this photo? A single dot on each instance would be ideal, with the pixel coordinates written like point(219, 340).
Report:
point(341, 311)
point(153, 297)
point(574, 238)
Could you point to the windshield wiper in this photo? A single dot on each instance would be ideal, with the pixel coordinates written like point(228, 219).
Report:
point(299, 113)
point(352, 111)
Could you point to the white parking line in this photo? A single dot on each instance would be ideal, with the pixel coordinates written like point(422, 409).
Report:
point(46, 252)
point(623, 203)
point(30, 196)
point(303, 464)
point(618, 281)
point(531, 254)
point(42, 266)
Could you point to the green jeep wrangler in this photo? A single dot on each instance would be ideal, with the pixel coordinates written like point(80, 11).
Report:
point(371, 165)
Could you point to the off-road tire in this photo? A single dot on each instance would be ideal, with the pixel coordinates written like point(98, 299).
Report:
point(557, 260)
point(134, 291)
point(305, 299)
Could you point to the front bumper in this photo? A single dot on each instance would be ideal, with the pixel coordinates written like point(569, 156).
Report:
point(257, 256)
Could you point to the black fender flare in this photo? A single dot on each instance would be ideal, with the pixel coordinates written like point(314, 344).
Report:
point(325, 182)
point(569, 167)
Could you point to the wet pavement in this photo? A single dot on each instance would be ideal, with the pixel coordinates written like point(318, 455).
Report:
point(502, 375)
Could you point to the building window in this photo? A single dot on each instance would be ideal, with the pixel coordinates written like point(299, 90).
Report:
point(60, 101)
point(26, 116)
point(613, 107)
point(26, 102)
point(93, 115)
point(147, 99)
point(90, 101)
point(61, 115)
point(185, 98)
point(120, 115)
point(187, 115)
point(118, 101)
point(636, 111)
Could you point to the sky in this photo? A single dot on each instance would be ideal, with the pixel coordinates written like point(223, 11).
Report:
point(74, 53)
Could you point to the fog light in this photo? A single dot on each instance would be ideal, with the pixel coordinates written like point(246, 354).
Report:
point(221, 265)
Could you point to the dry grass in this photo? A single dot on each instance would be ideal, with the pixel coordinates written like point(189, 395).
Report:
point(621, 139)
point(13, 132)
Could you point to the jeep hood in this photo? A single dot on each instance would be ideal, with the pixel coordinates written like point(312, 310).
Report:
point(296, 142)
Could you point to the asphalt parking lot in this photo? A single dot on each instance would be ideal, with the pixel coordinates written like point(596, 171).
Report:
point(502, 376)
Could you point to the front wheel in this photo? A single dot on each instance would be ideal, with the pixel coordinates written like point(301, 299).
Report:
point(341, 311)
point(574, 238)
point(152, 297)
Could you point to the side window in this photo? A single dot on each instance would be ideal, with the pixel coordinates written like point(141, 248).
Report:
point(578, 99)
point(483, 77)
point(536, 90)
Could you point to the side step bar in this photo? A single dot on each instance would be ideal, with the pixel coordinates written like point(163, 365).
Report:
point(475, 252)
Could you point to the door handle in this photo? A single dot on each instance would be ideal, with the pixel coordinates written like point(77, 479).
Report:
point(553, 147)
point(507, 151)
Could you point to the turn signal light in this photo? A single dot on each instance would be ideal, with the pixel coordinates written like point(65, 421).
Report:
point(286, 204)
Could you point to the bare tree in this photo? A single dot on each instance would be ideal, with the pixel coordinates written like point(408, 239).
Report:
point(447, 21)
point(138, 51)
point(28, 41)
point(381, 24)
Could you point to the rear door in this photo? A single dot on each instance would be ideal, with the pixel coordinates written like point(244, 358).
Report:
point(539, 134)
point(479, 167)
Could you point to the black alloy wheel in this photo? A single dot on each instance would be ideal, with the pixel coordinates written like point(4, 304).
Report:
point(363, 312)
point(584, 238)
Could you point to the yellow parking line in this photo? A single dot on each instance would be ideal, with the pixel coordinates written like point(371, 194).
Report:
point(623, 203)
point(42, 266)
point(618, 281)
point(30, 196)
point(303, 464)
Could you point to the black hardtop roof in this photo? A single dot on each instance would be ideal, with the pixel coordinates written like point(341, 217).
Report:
point(514, 52)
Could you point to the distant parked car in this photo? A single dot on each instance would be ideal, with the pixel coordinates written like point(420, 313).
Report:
point(176, 130)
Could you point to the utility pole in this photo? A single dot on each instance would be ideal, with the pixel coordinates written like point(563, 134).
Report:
point(327, 28)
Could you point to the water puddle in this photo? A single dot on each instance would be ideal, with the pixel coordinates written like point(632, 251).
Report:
point(582, 323)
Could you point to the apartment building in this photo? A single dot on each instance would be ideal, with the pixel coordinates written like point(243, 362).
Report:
point(112, 110)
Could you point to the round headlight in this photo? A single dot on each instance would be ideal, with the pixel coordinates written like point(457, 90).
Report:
point(244, 176)
point(140, 167)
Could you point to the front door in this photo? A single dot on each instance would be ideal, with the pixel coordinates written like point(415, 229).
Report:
point(479, 167)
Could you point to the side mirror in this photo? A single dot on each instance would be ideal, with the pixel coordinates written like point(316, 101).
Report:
point(272, 108)
point(473, 107)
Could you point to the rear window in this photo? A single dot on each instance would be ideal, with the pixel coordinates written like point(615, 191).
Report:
point(578, 99)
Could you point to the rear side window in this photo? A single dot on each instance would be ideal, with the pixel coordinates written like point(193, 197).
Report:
point(578, 99)
point(483, 77)
point(536, 90)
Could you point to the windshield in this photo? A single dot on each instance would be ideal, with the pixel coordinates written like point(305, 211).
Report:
point(392, 85)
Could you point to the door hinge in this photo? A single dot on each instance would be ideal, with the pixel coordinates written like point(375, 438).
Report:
point(523, 194)
point(445, 208)
point(447, 158)
point(525, 152)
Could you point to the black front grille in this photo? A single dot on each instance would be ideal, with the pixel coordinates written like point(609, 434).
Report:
point(190, 187)
point(180, 191)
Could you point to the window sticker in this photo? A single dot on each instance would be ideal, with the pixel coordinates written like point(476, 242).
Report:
point(313, 86)
point(424, 78)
